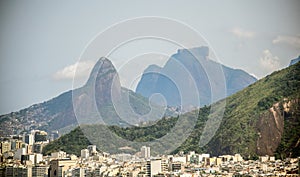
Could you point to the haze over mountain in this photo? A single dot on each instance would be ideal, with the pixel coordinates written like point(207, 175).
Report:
point(100, 100)
point(262, 119)
point(103, 100)
point(188, 69)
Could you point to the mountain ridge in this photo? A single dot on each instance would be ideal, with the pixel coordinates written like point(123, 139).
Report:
point(252, 124)
point(192, 66)
point(58, 112)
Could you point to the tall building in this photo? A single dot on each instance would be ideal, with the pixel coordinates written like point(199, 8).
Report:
point(40, 136)
point(16, 144)
point(5, 146)
point(145, 152)
point(84, 153)
point(164, 165)
point(153, 167)
point(29, 139)
point(38, 147)
point(29, 148)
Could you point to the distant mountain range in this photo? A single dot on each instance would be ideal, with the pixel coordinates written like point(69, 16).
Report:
point(92, 104)
point(188, 69)
point(262, 119)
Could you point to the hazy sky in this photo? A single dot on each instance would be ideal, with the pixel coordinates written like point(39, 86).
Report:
point(40, 41)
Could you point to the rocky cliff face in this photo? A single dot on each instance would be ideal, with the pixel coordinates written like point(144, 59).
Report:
point(105, 81)
point(274, 126)
point(270, 128)
point(289, 145)
point(97, 95)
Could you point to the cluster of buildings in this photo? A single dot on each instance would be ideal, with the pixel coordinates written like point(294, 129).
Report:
point(32, 142)
point(19, 157)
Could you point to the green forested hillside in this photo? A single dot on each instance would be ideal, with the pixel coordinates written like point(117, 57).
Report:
point(239, 130)
point(261, 119)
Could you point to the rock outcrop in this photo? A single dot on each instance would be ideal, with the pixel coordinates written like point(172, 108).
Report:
point(190, 68)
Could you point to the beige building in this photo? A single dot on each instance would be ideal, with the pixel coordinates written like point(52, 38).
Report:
point(58, 167)
point(153, 167)
point(5, 146)
point(58, 155)
point(145, 152)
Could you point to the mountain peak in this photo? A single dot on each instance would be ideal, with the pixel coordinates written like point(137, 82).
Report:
point(102, 65)
point(105, 79)
point(202, 51)
point(190, 66)
point(153, 68)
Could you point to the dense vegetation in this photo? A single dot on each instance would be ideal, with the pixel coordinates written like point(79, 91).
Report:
point(238, 132)
point(71, 143)
point(148, 133)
